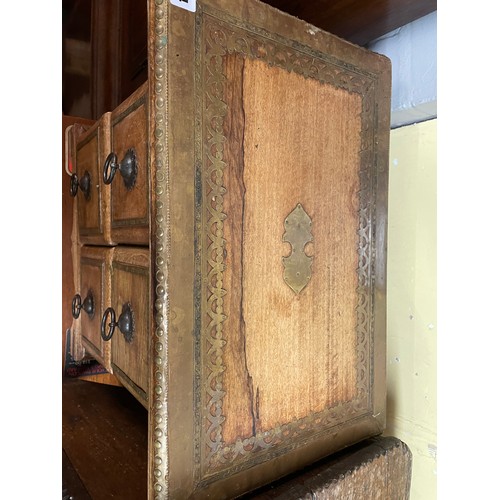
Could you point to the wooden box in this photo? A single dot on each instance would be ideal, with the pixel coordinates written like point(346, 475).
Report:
point(267, 212)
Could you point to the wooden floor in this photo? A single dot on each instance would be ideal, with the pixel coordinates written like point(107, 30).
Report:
point(104, 436)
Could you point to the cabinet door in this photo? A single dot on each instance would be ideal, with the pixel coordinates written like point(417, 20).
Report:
point(92, 195)
point(130, 293)
point(130, 179)
point(94, 295)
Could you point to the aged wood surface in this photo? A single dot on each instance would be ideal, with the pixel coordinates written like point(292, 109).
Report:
point(104, 434)
point(68, 289)
point(95, 272)
point(106, 64)
point(252, 112)
point(376, 469)
point(102, 378)
point(91, 151)
point(130, 207)
point(359, 21)
point(299, 351)
point(249, 113)
point(130, 285)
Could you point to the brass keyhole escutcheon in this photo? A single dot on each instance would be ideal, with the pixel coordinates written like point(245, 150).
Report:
point(298, 265)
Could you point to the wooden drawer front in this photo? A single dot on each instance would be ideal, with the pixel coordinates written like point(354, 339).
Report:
point(95, 265)
point(91, 152)
point(130, 205)
point(130, 286)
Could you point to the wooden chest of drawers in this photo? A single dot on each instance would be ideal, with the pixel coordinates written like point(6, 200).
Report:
point(239, 279)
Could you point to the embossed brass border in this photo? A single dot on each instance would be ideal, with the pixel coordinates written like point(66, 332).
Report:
point(233, 36)
point(164, 41)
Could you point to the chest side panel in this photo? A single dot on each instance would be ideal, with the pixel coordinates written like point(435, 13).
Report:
point(283, 359)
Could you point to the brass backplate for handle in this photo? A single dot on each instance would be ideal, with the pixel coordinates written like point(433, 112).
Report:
point(126, 322)
point(298, 265)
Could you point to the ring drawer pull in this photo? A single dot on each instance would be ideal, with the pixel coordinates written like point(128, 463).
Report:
point(127, 168)
point(125, 323)
point(87, 305)
point(83, 184)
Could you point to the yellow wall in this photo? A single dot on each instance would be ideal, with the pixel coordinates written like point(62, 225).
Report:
point(411, 300)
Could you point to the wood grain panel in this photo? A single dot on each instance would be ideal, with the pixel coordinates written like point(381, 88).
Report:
point(130, 284)
point(95, 277)
point(91, 151)
point(375, 469)
point(68, 288)
point(288, 355)
point(130, 207)
point(87, 160)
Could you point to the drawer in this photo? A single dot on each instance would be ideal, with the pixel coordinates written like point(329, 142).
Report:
point(93, 299)
point(127, 171)
point(92, 195)
point(126, 322)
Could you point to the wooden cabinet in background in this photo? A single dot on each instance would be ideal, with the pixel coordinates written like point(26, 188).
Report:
point(247, 276)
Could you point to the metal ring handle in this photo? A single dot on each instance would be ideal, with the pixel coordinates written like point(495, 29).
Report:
point(84, 184)
point(127, 168)
point(125, 323)
point(110, 167)
point(112, 324)
point(73, 187)
point(87, 305)
point(76, 306)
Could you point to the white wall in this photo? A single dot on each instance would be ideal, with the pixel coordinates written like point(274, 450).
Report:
point(412, 248)
point(412, 50)
point(411, 301)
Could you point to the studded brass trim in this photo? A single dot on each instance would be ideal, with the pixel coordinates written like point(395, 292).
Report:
point(158, 392)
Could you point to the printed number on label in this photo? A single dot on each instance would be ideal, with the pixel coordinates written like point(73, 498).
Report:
point(185, 4)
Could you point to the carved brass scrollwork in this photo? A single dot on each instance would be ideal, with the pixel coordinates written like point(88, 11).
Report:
point(298, 265)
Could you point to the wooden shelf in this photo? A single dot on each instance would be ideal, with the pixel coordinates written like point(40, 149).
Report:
point(358, 21)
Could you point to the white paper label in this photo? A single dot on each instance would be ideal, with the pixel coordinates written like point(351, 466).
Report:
point(185, 4)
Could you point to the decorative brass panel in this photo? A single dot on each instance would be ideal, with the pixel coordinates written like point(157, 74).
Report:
point(217, 35)
point(298, 265)
point(174, 36)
